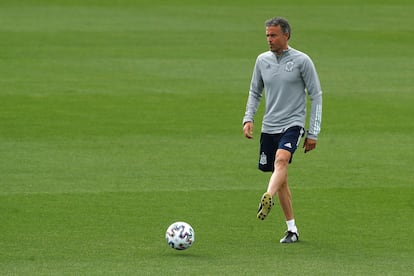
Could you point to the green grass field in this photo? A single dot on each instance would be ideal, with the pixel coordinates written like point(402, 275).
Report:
point(118, 118)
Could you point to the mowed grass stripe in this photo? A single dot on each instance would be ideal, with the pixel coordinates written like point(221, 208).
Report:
point(117, 227)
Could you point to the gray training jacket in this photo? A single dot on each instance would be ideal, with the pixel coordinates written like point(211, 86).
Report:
point(285, 79)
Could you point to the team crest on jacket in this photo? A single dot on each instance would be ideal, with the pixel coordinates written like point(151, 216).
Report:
point(289, 66)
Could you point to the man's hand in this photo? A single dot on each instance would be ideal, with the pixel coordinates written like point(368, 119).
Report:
point(248, 130)
point(309, 144)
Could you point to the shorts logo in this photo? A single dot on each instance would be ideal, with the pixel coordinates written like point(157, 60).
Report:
point(289, 66)
point(263, 159)
point(288, 145)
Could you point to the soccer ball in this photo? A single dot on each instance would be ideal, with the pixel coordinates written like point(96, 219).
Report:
point(180, 235)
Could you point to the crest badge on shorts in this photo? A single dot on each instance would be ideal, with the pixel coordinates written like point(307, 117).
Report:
point(263, 159)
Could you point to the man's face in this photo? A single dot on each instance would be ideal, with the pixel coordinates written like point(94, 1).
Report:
point(276, 39)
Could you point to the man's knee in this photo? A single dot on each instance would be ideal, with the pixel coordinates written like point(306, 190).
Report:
point(282, 158)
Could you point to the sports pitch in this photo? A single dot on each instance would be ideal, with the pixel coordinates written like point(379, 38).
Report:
point(118, 118)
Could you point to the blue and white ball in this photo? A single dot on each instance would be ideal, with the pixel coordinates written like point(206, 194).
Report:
point(180, 235)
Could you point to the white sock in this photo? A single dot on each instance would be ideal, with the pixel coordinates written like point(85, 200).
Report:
point(291, 226)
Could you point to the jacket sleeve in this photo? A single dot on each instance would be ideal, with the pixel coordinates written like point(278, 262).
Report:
point(255, 94)
point(314, 90)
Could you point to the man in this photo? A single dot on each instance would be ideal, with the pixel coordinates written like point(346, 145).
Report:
point(286, 75)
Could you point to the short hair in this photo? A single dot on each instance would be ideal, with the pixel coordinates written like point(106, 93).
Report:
point(279, 21)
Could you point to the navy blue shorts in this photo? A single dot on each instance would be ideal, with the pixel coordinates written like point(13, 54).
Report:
point(270, 143)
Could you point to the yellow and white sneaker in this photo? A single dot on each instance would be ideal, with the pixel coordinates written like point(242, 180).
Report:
point(266, 204)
